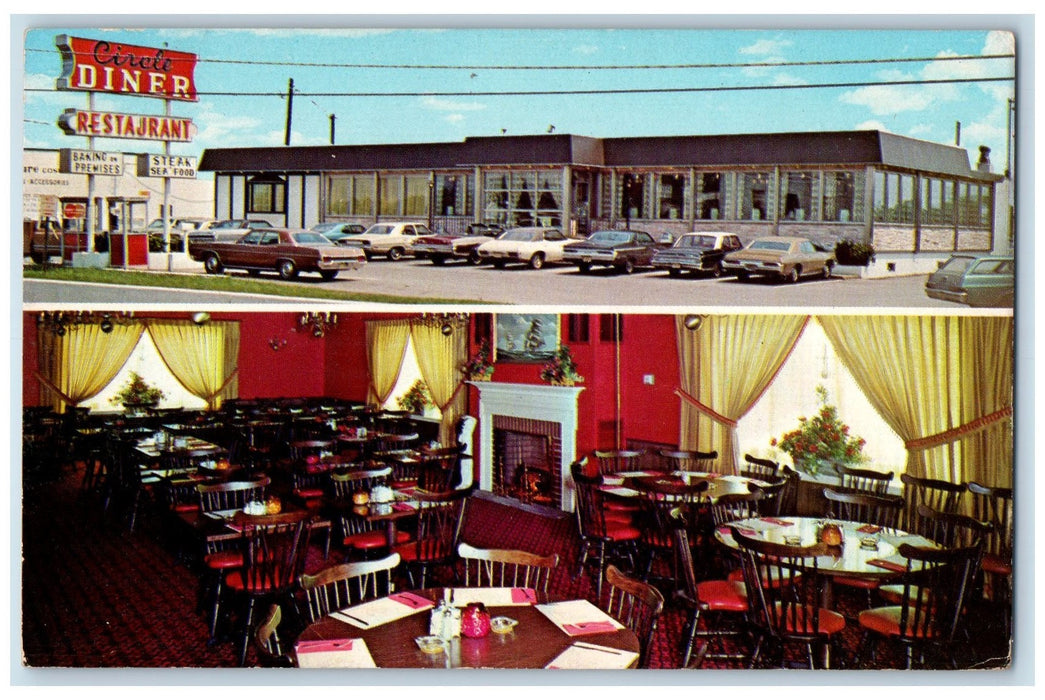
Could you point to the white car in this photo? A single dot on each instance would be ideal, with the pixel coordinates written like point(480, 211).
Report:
point(532, 245)
point(393, 239)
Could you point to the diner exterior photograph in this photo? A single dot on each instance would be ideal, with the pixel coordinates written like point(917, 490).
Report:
point(612, 353)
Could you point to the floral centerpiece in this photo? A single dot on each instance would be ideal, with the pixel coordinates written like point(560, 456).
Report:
point(561, 370)
point(479, 367)
point(137, 393)
point(821, 441)
point(416, 399)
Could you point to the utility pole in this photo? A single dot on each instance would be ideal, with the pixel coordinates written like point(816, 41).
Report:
point(290, 111)
point(332, 120)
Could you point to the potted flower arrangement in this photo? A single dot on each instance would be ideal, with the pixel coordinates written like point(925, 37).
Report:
point(416, 399)
point(561, 370)
point(137, 394)
point(479, 368)
point(821, 441)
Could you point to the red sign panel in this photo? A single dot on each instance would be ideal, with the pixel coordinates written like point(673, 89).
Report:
point(116, 125)
point(74, 210)
point(105, 66)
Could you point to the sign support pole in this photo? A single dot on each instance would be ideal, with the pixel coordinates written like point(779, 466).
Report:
point(165, 215)
point(89, 214)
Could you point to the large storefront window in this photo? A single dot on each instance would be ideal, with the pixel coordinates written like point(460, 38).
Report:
point(839, 201)
point(350, 195)
point(798, 195)
point(937, 202)
point(632, 196)
point(363, 195)
point(671, 194)
point(754, 195)
point(453, 196)
point(523, 198)
point(416, 200)
point(391, 190)
point(974, 205)
point(339, 189)
point(711, 195)
point(893, 198)
point(267, 195)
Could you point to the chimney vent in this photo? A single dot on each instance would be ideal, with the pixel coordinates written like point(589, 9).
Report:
point(984, 164)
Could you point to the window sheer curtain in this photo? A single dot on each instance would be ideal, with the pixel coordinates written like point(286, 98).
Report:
point(440, 358)
point(204, 358)
point(385, 349)
point(725, 365)
point(943, 383)
point(78, 365)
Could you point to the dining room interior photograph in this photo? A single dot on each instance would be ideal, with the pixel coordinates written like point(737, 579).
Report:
point(698, 492)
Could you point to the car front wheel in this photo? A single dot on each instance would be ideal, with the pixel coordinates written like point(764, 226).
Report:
point(792, 276)
point(328, 275)
point(827, 271)
point(537, 261)
point(395, 254)
point(627, 267)
point(716, 269)
point(213, 264)
point(583, 267)
point(437, 259)
point(475, 258)
point(287, 270)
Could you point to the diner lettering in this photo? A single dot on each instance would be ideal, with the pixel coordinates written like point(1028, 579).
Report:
point(104, 66)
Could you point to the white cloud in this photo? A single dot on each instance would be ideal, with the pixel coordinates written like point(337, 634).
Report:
point(999, 43)
point(442, 105)
point(585, 49)
point(454, 118)
point(870, 125)
point(766, 47)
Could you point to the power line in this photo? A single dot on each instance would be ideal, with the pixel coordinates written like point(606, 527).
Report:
point(610, 91)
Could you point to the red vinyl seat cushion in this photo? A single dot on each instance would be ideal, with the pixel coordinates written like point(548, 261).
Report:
point(375, 539)
point(886, 620)
point(723, 595)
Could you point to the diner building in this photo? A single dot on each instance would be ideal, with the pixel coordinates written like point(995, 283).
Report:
point(914, 201)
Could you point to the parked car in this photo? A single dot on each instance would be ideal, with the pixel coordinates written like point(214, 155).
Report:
point(393, 239)
point(532, 245)
point(440, 247)
point(229, 230)
point(337, 231)
point(286, 251)
point(975, 280)
point(786, 257)
point(623, 250)
point(700, 251)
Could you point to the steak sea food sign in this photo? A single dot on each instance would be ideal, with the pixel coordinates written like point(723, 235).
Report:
point(103, 66)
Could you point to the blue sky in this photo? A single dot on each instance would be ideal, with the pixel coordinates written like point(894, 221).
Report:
point(921, 111)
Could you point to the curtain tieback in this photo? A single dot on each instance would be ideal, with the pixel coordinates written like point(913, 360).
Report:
point(954, 434)
point(53, 387)
point(232, 375)
point(457, 390)
point(706, 410)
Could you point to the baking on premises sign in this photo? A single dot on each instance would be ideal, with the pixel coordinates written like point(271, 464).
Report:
point(104, 66)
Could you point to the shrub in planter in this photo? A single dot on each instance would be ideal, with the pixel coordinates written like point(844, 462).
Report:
point(849, 252)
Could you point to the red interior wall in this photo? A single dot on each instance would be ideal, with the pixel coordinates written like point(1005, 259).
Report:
point(295, 368)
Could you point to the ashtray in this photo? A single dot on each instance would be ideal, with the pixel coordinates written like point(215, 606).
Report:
point(869, 543)
point(503, 625)
point(431, 644)
point(793, 540)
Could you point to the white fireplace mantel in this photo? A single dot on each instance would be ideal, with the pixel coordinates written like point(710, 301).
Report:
point(555, 404)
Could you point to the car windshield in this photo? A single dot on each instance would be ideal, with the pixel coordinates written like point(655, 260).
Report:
point(379, 230)
point(610, 237)
point(705, 242)
point(310, 238)
point(782, 246)
point(521, 234)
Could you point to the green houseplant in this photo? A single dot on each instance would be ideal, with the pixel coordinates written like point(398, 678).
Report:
point(850, 252)
point(416, 399)
point(479, 368)
point(821, 441)
point(561, 370)
point(137, 393)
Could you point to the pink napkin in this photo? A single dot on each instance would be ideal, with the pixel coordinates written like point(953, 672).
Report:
point(743, 531)
point(712, 475)
point(886, 564)
point(579, 628)
point(869, 529)
point(324, 645)
point(777, 521)
point(411, 600)
point(524, 595)
point(402, 507)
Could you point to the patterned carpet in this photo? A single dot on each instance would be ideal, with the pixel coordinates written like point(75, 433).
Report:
point(96, 596)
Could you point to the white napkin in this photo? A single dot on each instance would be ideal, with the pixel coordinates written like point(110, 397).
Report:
point(375, 613)
point(581, 655)
point(576, 617)
point(493, 597)
point(341, 653)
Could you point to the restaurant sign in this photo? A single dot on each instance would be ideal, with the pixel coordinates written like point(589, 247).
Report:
point(151, 165)
point(89, 162)
point(116, 125)
point(123, 69)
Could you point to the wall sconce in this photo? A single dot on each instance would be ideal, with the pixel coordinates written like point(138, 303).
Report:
point(693, 322)
point(200, 317)
point(318, 322)
point(277, 343)
point(60, 322)
point(447, 322)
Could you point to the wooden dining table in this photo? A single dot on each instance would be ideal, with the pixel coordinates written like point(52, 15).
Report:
point(868, 551)
point(629, 484)
point(535, 642)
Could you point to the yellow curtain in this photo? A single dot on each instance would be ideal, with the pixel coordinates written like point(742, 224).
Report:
point(385, 349)
point(725, 365)
point(943, 383)
point(204, 358)
point(440, 358)
point(78, 365)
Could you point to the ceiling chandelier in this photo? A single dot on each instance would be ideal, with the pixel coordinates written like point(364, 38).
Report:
point(318, 322)
point(60, 322)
